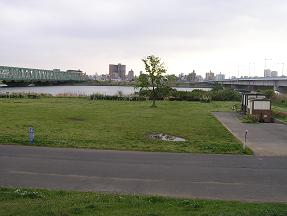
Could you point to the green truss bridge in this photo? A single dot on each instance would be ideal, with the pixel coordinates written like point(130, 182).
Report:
point(15, 76)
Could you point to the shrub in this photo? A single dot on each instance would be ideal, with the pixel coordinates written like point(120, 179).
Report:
point(225, 95)
point(195, 95)
point(161, 93)
point(97, 96)
point(164, 92)
point(217, 86)
point(23, 95)
point(269, 93)
point(249, 119)
point(117, 97)
point(27, 194)
point(236, 107)
point(205, 99)
point(70, 95)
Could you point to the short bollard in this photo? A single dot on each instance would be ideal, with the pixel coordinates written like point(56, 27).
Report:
point(32, 135)
point(246, 133)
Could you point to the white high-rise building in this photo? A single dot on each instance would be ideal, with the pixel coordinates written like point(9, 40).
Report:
point(219, 77)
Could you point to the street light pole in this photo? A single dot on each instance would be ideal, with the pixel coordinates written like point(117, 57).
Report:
point(283, 65)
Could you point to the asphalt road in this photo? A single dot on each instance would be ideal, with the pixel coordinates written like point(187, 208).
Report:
point(178, 175)
point(265, 139)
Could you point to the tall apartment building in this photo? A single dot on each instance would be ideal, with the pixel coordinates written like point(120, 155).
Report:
point(191, 77)
point(131, 75)
point(209, 76)
point(117, 71)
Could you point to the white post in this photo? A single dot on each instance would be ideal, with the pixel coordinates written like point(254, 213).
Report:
point(246, 133)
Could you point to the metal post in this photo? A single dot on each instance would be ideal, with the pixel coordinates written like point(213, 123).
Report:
point(32, 135)
point(245, 141)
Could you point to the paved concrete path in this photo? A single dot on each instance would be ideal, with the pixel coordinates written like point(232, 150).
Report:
point(264, 139)
point(180, 175)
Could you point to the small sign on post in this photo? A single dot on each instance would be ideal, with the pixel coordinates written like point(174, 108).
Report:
point(246, 133)
point(32, 135)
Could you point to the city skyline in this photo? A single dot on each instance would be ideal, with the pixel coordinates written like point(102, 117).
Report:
point(222, 36)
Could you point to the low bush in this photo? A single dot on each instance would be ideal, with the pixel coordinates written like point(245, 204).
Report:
point(23, 95)
point(249, 119)
point(269, 93)
point(70, 95)
point(195, 95)
point(165, 93)
point(27, 194)
point(117, 97)
point(225, 95)
point(236, 107)
point(160, 93)
point(206, 96)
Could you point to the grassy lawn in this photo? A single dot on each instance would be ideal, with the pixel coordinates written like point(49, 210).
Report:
point(60, 203)
point(119, 125)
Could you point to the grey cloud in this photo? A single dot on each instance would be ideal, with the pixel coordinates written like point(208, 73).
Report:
point(133, 28)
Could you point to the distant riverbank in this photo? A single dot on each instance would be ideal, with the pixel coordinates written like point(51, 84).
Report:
point(80, 90)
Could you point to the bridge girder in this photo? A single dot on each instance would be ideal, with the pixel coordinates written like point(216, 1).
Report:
point(278, 84)
point(39, 75)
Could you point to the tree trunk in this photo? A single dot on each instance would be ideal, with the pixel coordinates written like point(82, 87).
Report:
point(153, 95)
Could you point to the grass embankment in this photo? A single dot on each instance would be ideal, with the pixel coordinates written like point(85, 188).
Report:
point(279, 106)
point(44, 202)
point(119, 125)
point(280, 111)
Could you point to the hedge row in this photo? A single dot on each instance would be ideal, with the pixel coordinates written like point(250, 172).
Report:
point(117, 97)
point(22, 95)
point(172, 95)
point(197, 95)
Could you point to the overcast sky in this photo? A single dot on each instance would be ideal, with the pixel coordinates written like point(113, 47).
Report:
point(219, 35)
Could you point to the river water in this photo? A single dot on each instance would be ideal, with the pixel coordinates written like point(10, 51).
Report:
point(79, 90)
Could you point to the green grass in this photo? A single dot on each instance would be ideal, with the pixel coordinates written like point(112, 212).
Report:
point(59, 203)
point(119, 125)
point(250, 119)
point(280, 111)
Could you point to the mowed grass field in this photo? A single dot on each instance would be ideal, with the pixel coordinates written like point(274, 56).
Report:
point(117, 125)
point(51, 203)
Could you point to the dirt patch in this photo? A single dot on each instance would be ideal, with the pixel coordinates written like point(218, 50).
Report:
point(167, 137)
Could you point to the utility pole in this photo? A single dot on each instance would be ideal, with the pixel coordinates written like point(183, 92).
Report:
point(238, 71)
point(283, 65)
